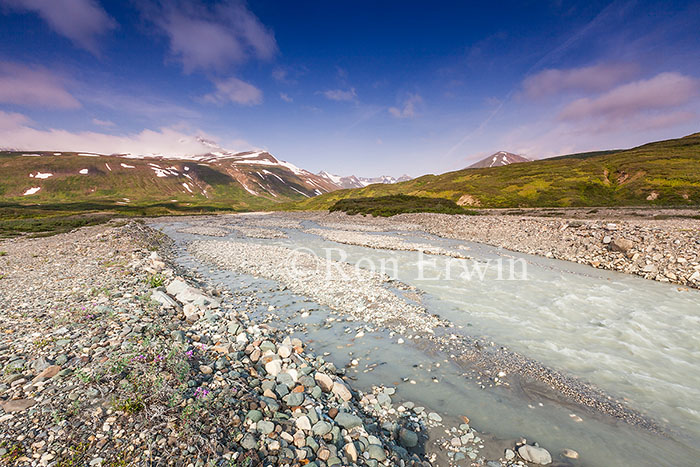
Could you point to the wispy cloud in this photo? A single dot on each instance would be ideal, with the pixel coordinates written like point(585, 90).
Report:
point(81, 21)
point(289, 74)
point(137, 105)
point(34, 86)
point(18, 132)
point(408, 110)
point(595, 78)
point(212, 37)
point(235, 90)
point(103, 123)
point(664, 91)
point(280, 74)
point(340, 94)
point(286, 97)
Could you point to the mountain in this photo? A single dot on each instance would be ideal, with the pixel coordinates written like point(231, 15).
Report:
point(218, 179)
point(358, 182)
point(663, 173)
point(499, 159)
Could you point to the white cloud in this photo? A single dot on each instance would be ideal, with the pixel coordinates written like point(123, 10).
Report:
point(588, 79)
point(664, 91)
point(18, 132)
point(33, 86)
point(340, 95)
point(409, 107)
point(235, 90)
point(212, 37)
point(81, 21)
point(286, 97)
point(547, 138)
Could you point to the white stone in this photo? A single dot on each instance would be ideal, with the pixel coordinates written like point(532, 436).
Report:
point(273, 367)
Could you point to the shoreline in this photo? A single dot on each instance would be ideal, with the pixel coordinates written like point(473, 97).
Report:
point(136, 362)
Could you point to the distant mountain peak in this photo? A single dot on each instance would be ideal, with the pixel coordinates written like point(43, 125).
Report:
point(499, 159)
point(353, 181)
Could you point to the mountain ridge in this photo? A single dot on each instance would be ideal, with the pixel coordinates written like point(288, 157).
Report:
point(352, 181)
point(218, 180)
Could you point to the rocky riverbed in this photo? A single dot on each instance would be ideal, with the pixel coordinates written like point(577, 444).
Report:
point(665, 249)
point(112, 355)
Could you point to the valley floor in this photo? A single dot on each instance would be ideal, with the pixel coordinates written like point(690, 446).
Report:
point(111, 355)
point(187, 344)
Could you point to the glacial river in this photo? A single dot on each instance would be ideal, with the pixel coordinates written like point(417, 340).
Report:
point(635, 339)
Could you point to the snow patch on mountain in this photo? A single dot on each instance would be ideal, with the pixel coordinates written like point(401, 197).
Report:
point(499, 159)
point(353, 181)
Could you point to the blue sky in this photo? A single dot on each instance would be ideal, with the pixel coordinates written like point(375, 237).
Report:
point(362, 88)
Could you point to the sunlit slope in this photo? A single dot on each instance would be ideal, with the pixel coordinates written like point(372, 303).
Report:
point(72, 180)
point(660, 173)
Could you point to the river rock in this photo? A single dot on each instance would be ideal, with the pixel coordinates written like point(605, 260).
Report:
point(273, 367)
point(303, 423)
point(341, 391)
point(324, 381)
point(408, 438)
point(535, 454)
point(321, 428)
point(176, 286)
point(164, 299)
point(348, 420)
point(249, 442)
point(376, 452)
point(17, 405)
point(350, 451)
point(191, 313)
point(621, 244)
point(265, 427)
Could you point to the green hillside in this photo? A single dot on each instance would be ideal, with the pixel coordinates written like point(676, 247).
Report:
point(44, 191)
point(664, 173)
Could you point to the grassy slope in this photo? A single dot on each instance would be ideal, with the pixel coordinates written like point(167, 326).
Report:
point(214, 186)
point(71, 199)
point(671, 169)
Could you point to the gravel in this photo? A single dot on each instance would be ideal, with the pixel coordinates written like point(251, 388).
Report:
point(665, 250)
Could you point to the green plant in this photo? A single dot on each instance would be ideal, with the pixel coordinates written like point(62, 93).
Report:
point(156, 280)
point(74, 457)
point(43, 342)
point(120, 460)
point(83, 376)
point(13, 453)
point(130, 405)
point(3, 253)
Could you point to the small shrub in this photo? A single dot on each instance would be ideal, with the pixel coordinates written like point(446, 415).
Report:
point(3, 253)
point(130, 405)
point(156, 280)
point(13, 453)
point(386, 206)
